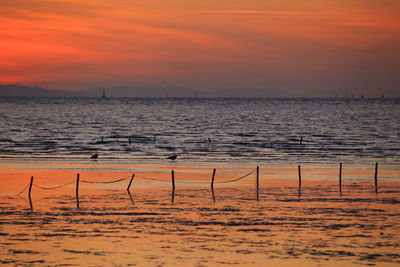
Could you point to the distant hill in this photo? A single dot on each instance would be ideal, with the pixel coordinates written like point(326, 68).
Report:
point(20, 90)
point(137, 91)
point(119, 91)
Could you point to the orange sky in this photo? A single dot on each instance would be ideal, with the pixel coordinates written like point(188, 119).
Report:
point(301, 47)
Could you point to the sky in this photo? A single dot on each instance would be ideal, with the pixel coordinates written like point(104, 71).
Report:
point(277, 47)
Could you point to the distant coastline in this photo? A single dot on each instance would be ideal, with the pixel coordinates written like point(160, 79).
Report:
point(21, 90)
point(14, 90)
point(120, 91)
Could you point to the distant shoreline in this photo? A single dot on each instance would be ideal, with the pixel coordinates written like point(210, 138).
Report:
point(13, 90)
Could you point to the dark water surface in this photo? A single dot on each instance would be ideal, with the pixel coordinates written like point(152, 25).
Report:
point(234, 225)
point(241, 131)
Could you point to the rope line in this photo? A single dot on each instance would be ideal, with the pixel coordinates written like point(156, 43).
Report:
point(136, 176)
point(159, 180)
point(106, 182)
point(234, 180)
point(193, 182)
point(205, 182)
point(151, 179)
point(53, 187)
point(23, 190)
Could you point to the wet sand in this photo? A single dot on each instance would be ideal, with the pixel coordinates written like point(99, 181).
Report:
point(195, 226)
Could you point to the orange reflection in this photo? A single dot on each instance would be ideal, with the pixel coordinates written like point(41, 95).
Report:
point(231, 224)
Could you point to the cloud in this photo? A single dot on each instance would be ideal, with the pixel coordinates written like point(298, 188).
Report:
point(227, 44)
point(250, 12)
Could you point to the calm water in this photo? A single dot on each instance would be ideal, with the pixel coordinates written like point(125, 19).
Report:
point(112, 228)
point(241, 131)
point(196, 226)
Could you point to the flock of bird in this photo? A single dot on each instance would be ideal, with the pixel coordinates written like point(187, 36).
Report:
point(172, 157)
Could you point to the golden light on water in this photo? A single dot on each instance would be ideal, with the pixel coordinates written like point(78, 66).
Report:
point(197, 227)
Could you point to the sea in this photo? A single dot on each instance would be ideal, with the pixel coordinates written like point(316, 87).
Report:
point(278, 223)
point(201, 131)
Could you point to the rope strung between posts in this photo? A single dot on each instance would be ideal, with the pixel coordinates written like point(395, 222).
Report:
point(191, 182)
point(137, 176)
point(234, 180)
point(53, 187)
point(151, 179)
point(23, 190)
point(106, 182)
point(167, 181)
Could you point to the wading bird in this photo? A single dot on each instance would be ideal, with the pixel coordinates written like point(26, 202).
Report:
point(172, 157)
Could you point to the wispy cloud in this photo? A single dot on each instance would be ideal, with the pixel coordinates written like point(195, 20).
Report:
point(250, 12)
point(229, 42)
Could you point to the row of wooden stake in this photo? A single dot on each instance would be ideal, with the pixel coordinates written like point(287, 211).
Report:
point(212, 182)
point(340, 177)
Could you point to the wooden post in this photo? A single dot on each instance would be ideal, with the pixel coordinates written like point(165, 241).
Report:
point(299, 168)
point(77, 183)
point(173, 187)
point(131, 198)
point(133, 175)
point(212, 180)
point(340, 177)
point(173, 180)
point(29, 193)
point(376, 177)
point(30, 187)
point(77, 190)
point(173, 197)
point(258, 174)
point(155, 138)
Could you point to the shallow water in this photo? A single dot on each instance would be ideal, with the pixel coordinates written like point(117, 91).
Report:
point(52, 139)
point(195, 227)
point(242, 131)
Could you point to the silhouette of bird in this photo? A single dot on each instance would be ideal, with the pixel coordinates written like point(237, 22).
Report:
point(172, 157)
point(95, 156)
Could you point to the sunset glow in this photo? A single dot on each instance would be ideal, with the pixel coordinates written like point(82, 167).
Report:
point(200, 133)
point(301, 47)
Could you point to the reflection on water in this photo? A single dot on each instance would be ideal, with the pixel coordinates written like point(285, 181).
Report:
point(233, 226)
point(201, 131)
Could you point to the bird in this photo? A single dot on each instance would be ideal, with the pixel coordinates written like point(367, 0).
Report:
point(95, 156)
point(172, 157)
